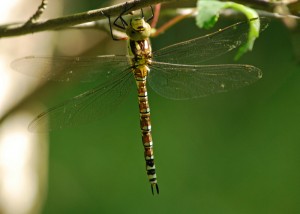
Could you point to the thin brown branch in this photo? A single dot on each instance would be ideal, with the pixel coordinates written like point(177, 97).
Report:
point(75, 19)
point(10, 30)
point(38, 13)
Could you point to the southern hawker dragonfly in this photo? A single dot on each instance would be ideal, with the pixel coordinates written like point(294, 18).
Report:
point(174, 72)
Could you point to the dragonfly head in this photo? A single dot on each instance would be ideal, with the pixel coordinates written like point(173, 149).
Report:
point(138, 29)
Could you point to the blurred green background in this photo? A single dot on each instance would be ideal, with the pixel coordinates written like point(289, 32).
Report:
point(235, 153)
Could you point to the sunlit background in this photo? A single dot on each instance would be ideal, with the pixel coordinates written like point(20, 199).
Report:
point(234, 153)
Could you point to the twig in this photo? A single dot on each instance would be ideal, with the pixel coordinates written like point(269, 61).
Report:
point(38, 13)
point(75, 19)
point(9, 30)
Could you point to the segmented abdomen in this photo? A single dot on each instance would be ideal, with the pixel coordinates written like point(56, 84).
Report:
point(145, 124)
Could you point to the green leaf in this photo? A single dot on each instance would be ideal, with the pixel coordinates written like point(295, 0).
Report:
point(208, 14)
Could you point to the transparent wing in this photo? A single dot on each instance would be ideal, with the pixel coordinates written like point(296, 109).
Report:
point(83, 69)
point(198, 50)
point(86, 107)
point(181, 82)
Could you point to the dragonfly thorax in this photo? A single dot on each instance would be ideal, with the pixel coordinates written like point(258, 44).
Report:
point(138, 29)
point(139, 47)
point(140, 52)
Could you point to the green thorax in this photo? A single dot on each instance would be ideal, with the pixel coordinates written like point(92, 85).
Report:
point(139, 47)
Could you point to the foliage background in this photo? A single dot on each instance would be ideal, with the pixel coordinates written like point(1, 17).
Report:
point(236, 152)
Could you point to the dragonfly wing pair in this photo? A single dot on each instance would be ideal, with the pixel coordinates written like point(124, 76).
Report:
point(111, 72)
point(182, 82)
point(68, 69)
point(177, 74)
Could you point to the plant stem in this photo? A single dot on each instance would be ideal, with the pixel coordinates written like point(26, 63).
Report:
point(10, 30)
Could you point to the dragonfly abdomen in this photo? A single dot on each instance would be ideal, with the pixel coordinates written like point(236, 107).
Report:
point(145, 124)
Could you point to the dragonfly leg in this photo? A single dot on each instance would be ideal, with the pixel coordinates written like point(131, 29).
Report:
point(155, 15)
point(124, 23)
point(111, 30)
point(152, 14)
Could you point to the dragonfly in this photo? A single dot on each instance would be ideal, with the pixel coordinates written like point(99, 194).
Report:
point(175, 72)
